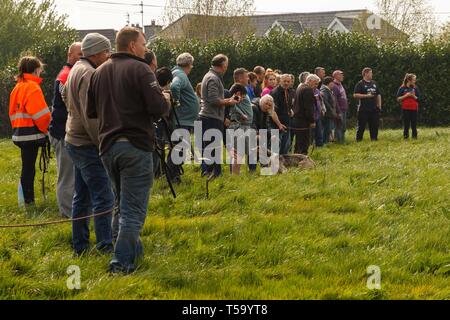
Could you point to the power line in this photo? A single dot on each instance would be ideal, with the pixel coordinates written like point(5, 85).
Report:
point(129, 4)
point(191, 8)
point(109, 2)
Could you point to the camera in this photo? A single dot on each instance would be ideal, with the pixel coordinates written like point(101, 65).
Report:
point(236, 98)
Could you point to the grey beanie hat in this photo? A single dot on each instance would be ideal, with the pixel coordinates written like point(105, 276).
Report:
point(94, 43)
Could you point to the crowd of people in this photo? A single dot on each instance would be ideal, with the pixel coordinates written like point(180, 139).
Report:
point(111, 113)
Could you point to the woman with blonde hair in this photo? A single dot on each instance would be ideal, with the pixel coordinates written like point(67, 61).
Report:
point(270, 82)
point(268, 70)
point(408, 95)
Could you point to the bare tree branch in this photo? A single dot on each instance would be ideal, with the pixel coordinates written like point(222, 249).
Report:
point(207, 19)
point(414, 17)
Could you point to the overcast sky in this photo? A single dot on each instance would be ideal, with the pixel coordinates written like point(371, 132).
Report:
point(88, 15)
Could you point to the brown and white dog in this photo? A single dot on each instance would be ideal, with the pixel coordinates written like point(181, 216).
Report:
point(281, 163)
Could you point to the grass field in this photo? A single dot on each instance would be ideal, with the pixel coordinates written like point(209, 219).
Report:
point(301, 235)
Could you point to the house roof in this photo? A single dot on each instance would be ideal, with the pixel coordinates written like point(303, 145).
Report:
point(297, 22)
point(347, 22)
point(313, 21)
point(108, 33)
point(295, 26)
point(151, 31)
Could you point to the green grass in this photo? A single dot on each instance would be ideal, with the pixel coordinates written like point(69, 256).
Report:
point(301, 235)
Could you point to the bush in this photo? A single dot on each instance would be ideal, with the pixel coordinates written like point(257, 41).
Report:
point(350, 52)
point(34, 29)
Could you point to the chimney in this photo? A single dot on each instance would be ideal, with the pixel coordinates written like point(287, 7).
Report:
point(153, 23)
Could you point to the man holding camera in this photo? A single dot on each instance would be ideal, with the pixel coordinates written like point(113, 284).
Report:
point(126, 98)
point(212, 113)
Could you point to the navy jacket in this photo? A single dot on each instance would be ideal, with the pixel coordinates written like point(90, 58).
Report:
point(57, 126)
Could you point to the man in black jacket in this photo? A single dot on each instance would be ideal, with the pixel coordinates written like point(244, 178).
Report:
point(330, 105)
point(369, 107)
point(283, 96)
point(57, 131)
point(304, 105)
point(126, 98)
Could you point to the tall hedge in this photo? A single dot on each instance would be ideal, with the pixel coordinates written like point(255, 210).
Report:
point(30, 28)
point(350, 52)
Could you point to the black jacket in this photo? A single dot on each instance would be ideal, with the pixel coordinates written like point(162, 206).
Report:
point(261, 120)
point(330, 102)
point(283, 105)
point(304, 105)
point(57, 127)
point(126, 98)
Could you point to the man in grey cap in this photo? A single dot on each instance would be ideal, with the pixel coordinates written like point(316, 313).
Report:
point(93, 190)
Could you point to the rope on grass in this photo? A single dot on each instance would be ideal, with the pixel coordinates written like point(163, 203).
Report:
point(42, 224)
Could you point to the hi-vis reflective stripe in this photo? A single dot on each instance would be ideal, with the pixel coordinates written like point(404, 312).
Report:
point(19, 116)
point(27, 116)
point(30, 137)
point(40, 114)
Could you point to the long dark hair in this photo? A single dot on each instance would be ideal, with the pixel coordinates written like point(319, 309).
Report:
point(408, 77)
point(28, 64)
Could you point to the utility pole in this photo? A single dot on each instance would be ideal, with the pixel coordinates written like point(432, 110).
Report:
point(142, 15)
point(128, 18)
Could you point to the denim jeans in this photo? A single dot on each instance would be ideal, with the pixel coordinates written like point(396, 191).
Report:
point(318, 133)
point(131, 172)
point(285, 141)
point(327, 127)
point(233, 144)
point(92, 193)
point(341, 127)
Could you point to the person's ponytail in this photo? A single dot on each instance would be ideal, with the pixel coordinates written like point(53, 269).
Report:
point(408, 77)
point(28, 64)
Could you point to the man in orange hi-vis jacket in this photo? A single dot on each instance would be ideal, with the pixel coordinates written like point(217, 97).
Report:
point(30, 118)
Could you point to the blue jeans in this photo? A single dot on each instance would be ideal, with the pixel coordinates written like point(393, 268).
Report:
point(285, 141)
point(92, 193)
point(233, 144)
point(327, 127)
point(341, 127)
point(131, 172)
point(318, 133)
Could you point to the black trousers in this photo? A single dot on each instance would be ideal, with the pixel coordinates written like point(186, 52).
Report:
point(373, 119)
point(409, 120)
point(208, 167)
point(29, 153)
point(302, 136)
